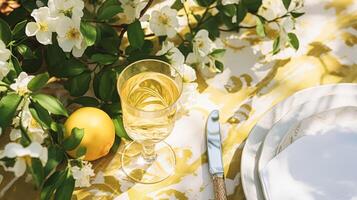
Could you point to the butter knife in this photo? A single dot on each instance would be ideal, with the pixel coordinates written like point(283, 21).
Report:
point(214, 151)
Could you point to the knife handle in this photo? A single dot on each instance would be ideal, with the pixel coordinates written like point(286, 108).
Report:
point(219, 187)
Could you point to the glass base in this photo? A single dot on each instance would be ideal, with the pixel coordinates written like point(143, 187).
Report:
point(143, 171)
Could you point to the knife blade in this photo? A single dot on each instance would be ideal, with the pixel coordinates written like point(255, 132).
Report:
point(214, 151)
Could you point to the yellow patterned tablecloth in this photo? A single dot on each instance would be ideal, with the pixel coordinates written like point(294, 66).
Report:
point(251, 84)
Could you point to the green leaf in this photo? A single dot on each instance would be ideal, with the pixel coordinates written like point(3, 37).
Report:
point(38, 81)
point(229, 10)
point(104, 59)
point(29, 5)
point(136, 34)
point(5, 32)
point(73, 67)
point(89, 33)
point(276, 45)
point(78, 85)
point(211, 26)
point(74, 139)
point(8, 106)
point(15, 67)
point(205, 3)
point(58, 132)
point(296, 14)
point(19, 29)
point(241, 12)
point(55, 59)
point(177, 5)
point(293, 41)
point(33, 62)
point(252, 5)
point(286, 4)
point(109, 11)
point(81, 151)
point(40, 114)
point(107, 39)
point(119, 128)
point(59, 66)
point(86, 101)
point(50, 103)
point(116, 145)
point(112, 109)
point(65, 190)
point(260, 27)
point(107, 85)
point(37, 172)
point(219, 66)
point(218, 53)
point(52, 183)
point(55, 157)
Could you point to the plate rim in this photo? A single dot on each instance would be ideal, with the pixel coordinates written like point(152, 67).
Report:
point(289, 132)
point(293, 117)
point(296, 99)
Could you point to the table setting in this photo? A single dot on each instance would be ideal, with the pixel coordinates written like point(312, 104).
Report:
point(178, 99)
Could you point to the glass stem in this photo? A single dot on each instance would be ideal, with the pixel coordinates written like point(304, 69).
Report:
point(149, 153)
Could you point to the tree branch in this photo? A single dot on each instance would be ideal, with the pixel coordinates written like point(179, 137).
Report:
point(252, 27)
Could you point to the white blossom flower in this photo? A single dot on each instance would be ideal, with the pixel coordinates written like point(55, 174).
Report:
point(271, 9)
point(21, 82)
point(4, 69)
point(4, 57)
point(83, 174)
point(34, 130)
point(164, 22)
point(43, 27)
point(69, 35)
point(15, 134)
point(226, 2)
point(173, 54)
point(189, 74)
point(202, 44)
point(4, 52)
point(70, 8)
point(78, 52)
point(15, 150)
point(132, 9)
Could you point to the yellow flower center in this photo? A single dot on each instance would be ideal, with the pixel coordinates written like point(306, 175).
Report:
point(34, 124)
point(199, 44)
point(22, 91)
point(164, 19)
point(73, 34)
point(43, 26)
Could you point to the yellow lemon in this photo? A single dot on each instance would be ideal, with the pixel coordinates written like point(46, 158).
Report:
point(99, 131)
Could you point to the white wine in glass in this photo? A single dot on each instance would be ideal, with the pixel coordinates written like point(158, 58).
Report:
point(149, 90)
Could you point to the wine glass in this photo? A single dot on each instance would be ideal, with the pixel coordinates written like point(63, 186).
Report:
point(149, 90)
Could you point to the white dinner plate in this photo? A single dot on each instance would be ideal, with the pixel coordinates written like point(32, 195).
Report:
point(295, 115)
point(250, 177)
point(316, 124)
point(319, 166)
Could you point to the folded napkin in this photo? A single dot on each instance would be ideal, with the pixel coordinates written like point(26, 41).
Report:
point(315, 167)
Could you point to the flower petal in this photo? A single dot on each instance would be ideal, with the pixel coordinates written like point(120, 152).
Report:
point(34, 150)
point(15, 134)
point(31, 29)
point(189, 74)
point(78, 52)
point(65, 44)
point(19, 168)
point(44, 37)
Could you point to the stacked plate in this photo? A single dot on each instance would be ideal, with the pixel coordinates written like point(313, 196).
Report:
point(305, 147)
